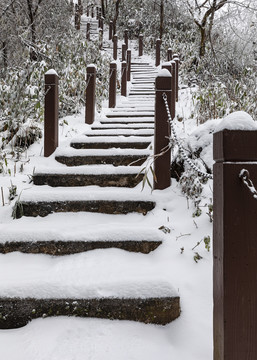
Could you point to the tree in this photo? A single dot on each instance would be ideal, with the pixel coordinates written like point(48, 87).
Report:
point(203, 13)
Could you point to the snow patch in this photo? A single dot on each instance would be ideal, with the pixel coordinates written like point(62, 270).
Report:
point(238, 120)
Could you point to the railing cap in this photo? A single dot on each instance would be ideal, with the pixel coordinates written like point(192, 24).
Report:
point(51, 72)
point(163, 73)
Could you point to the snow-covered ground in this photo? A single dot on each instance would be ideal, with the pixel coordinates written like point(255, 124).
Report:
point(187, 338)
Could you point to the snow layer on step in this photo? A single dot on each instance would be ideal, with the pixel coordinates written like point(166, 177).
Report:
point(128, 113)
point(88, 170)
point(101, 152)
point(129, 119)
point(89, 193)
point(111, 139)
point(77, 227)
point(79, 276)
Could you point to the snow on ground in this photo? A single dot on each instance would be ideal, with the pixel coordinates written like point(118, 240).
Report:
point(187, 338)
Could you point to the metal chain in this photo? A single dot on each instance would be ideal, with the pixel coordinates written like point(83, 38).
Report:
point(180, 147)
point(244, 175)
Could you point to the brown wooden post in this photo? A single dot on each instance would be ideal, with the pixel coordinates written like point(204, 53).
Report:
point(168, 66)
point(112, 84)
point(126, 38)
point(100, 39)
point(176, 59)
point(140, 45)
point(115, 47)
point(88, 31)
point(90, 94)
point(169, 54)
point(92, 12)
point(128, 64)
point(123, 52)
point(162, 131)
point(173, 90)
point(158, 52)
point(123, 78)
point(77, 17)
point(234, 247)
point(110, 30)
point(87, 11)
point(51, 112)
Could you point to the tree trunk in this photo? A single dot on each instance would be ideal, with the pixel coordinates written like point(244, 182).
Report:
point(116, 15)
point(4, 49)
point(103, 8)
point(203, 42)
point(161, 18)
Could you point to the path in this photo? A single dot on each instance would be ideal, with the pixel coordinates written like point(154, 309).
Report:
point(91, 179)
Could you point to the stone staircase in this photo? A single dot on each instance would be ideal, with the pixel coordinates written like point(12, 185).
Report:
point(89, 198)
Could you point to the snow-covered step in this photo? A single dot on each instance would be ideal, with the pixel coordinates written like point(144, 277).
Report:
point(60, 235)
point(131, 142)
point(97, 284)
point(44, 200)
point(128, 120)
point(116, 157)
point(100, 175)
point(127, 114)
point(136, 128)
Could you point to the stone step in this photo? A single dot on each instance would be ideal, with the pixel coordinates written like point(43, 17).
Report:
point(44, 200)
point(116, 157)
point(77, 286)
point(121, 142)
point(61, 239)
point(114, 176)
point(124, 114)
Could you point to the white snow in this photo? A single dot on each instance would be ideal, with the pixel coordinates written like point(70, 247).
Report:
point(238, 120)
point(164, 73)
point(51, 72)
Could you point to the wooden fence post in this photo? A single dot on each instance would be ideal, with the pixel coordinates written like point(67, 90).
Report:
point(158, 52)
point(100, 39)
point(92, 12)
point(162, 131)
point(128, 64)
point(88, 31)
point(77, 17)
point(176, 59)
point(234, 246)
point(126, 38)
point(168, 66)
point(169, 54)
point(123, 78)
point(115, 47)
point(110, 30)
point(123, 52)
point(51, 112)
point(140, 45)
point(112, 84)
point(90, 94)
point(87, 11)
point(173, 90)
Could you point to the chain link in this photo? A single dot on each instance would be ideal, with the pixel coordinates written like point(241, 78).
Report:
point(244, 175)
point(180, 147)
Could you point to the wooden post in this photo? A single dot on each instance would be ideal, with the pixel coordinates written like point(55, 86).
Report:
point(169, 54)
point(123, 52)
point(168, 66)
point(87, 11)
point(126, 38)
point(234, 247)
point(173, 90)
point(100, 39)
point(90, 94)
point(88, 31)
point(162, 131)
point(110, 30)
point(92, 12)
point(115, 47)
point(176, 59)
point(51, 112)
point(140, 45)
point(158, 52)
point(128, 64)
point(77, 17)
point(123, 78)
point(112, 84)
